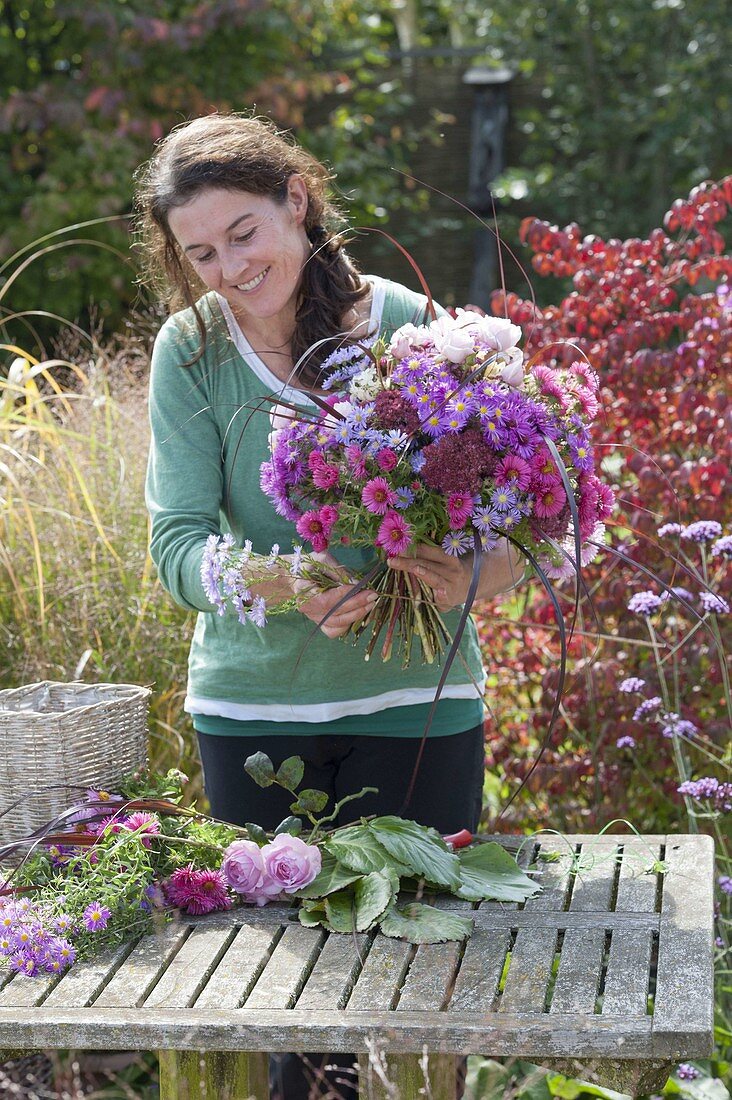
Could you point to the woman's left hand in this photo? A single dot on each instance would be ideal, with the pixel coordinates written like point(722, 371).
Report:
point(449, 577)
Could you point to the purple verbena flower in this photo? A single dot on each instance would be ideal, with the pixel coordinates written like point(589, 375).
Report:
point(687, 1072)
point(725, 884)
point(644, 603)
point(708, 789)
point(713, 604)
point(631, 684)
point(647, 708)
point(670, 529)
point(722, 547)
point(676, 726)
point(702, 531)
point(625, 742)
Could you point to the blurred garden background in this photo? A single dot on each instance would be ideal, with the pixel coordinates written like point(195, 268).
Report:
point(610, 183)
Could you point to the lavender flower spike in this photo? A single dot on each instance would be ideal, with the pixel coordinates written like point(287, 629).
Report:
point(644, 603)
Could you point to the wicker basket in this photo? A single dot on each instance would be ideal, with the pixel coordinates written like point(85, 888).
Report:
point(65, 735)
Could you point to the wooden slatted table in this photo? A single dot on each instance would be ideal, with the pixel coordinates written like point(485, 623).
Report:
point(607, 975)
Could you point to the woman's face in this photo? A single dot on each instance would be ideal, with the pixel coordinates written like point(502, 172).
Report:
point(249, 248)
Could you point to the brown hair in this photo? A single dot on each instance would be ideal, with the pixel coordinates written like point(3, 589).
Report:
point(243, 153)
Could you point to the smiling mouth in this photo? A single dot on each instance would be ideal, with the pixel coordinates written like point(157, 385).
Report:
point(253, 283)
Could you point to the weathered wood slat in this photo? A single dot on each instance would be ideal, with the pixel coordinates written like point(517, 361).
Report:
point(504, 1035)
point(334, 973)
point(626, 981)
point(83, 982)
point(528, 973)
point(382, 975)
point(430, 977)
point(476, 984)
point(287, 971)
point(22, 992)
point(684, 999)
point(554, 877)
point(578, 978)
point(189, 968)
point(142, 968)
point(233, 979)
point(636, 888)
point(566, 919)
point(592, 886)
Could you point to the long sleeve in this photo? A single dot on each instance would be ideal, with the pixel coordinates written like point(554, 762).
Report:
point(184, 483)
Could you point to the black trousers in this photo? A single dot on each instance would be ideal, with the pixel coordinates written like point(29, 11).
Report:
point(447, 795)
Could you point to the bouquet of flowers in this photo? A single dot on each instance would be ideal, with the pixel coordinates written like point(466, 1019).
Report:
point(439, 436)
point(113, 866)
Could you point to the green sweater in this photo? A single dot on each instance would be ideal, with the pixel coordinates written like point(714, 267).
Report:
point(209, 436)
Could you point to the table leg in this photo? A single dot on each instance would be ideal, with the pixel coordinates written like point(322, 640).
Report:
point(213, 1075)
point(380, 1075)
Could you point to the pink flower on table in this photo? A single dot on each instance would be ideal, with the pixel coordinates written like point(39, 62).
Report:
point(459, 508)
point(146, 823)
point(197, 892)
point(244, 870)
point(290, 862)
point(394, 535)
point(378, 496)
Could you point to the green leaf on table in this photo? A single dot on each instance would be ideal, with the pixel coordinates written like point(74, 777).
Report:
point(260, 767)
point(331, 877)
point(256, 833)
point(356, 847)
point(422, 849)
point(290, 772)
point(374, 894)
point(419, 923)
point(340, 909)
point(488, 871)
point(309, 802)
point(312, 913)
point(291, 825)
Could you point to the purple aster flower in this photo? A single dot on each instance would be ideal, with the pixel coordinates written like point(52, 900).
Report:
point(687, 1072)
point(257, 613)
point(417, 461)
point(96, 917)
point(59, 955)
point(644, 603)
point(631, 684)
point(670, 529)
point(625, 742)
point(404, 498)
point(486, 518)
point(676, 726)
point(725, 884)
point(63, 923)
point(647, 707)
point(702, 531)
point(581, 452)
point(713, 604)
point(25, 962)
point(723, 547)
point(455, 543)
point(504, 499)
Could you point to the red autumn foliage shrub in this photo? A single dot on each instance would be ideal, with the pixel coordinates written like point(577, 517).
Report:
point(654, 318)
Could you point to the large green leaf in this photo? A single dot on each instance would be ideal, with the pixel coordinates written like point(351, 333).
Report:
point(374, 893)
point(312, 913)
point(423, 850)
point(290, 772)
point(420, 923)
point(488, 871)
point(356, 846)
point(261, 769)
point(332, 876)
point(309, 802)
point(340, 910)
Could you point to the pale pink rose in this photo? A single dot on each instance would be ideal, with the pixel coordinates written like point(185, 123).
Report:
point(290, 862)
point(497, 332)
point(456, 343)
point(408, 338)
point(243, 866)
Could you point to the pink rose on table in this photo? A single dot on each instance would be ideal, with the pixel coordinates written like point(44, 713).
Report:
point(244, 870)
point(290, 862)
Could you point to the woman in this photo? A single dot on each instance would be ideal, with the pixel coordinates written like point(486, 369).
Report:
point(238, 228)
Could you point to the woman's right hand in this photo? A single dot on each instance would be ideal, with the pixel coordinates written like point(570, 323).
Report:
point(351, 611)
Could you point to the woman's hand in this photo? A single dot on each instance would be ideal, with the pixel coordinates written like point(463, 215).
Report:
point(449, 577)
point(355, 608)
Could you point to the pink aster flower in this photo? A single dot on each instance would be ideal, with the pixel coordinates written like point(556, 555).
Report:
point(395, 534)
point(197, 892)
point(310, 526)
point(386, 459)
point(513, 471)
point(357, 461)
point(550, 501)
point(146, 823)
point(326, 476)
point(378, 495)
point(459, 508)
